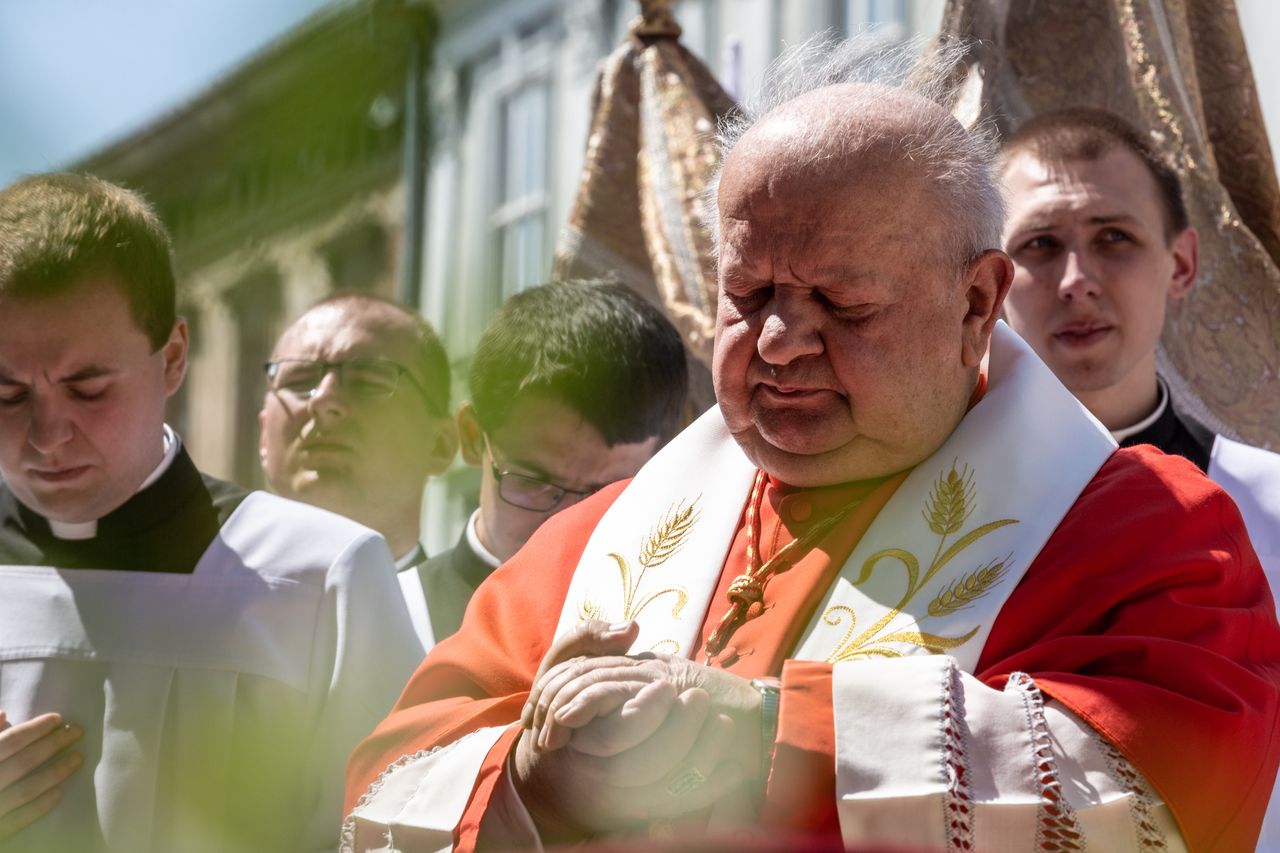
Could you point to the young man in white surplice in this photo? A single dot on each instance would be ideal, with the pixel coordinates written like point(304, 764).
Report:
point(215, 653)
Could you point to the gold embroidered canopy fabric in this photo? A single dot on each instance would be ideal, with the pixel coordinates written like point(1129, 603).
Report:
point(1178, 68)
point(650, 153)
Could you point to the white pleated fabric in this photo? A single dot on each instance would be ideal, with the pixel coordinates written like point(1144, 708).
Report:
point(219, 707)
point(928, 755)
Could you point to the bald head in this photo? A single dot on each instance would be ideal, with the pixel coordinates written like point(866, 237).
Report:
point(859, 280)
point(382, 319)
point(843, 119)
point(881, 139)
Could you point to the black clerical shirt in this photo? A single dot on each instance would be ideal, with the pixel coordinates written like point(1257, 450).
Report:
point(1176, 434)
point(165, 527)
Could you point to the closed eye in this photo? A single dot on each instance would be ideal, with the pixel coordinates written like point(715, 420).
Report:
point(88, 391)
point(12, 395)
point(750, 299)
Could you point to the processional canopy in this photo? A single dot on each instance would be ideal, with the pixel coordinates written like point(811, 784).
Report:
point(1177, 68)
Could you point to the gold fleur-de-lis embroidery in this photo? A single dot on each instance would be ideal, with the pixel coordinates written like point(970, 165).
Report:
point(949, 505)
point(663, 542)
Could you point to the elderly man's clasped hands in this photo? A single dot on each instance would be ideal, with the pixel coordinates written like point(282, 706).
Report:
point(640, 738)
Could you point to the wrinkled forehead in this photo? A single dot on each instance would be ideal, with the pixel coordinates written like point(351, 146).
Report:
point(840, 143)
point(796, 203)
point(336, 332)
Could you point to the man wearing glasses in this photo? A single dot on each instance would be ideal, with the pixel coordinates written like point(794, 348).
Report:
point(356, 418)
point(574, 385)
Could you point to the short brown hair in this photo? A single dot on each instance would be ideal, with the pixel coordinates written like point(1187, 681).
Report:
point(56, 229)
point(595, 346)
point(1085, 133)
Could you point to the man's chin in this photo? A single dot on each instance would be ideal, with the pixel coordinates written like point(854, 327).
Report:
point(806, 465)
point(330, 489)
point(68, 506)
point(803, 431)
point(1085, 377)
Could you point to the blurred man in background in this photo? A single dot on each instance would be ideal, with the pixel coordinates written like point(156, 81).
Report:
point(356, 418)
point(219, 651)
point(574, 385)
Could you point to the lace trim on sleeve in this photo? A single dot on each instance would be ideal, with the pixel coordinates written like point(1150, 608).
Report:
point(1056, 826)
point(1146, 831)
point(347, 840)
point(958, 801)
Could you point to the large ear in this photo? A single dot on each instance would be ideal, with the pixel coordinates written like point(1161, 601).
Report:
point(174, 352)
point(1186, 261)
point(444, 445)
point(985, 285)
point(470, 436)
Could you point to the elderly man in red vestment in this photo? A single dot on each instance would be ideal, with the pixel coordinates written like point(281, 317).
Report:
point(898, 588)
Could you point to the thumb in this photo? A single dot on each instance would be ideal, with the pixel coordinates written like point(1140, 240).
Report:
point(591, 638)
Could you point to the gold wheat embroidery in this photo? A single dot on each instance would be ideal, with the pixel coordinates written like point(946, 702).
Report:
point(664, 540)
point(949, 505)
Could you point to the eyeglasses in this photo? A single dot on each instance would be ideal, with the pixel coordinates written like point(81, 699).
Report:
point(362, 378)
point(526, 492)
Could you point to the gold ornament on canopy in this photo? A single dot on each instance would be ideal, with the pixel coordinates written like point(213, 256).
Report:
point(1178, 68)
point(650, 153)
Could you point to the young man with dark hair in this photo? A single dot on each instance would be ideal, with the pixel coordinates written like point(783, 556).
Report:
point(218, 650)
point(1100, 241)
point(574, 385)
point(356, 418)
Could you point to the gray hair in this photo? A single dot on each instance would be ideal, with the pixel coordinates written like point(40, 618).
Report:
point(961, 163)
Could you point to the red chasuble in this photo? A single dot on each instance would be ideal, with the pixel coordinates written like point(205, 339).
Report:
point(1146, 613)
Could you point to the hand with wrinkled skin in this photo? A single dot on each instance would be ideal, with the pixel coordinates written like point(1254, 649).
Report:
point(629, 727)
point(30, 783)
point(584, 701)
point(573, 795)
point(592, 637)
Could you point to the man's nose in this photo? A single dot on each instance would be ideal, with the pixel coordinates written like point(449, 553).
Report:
point(50, 427)
point(792, 326)
point(329, 400)
point(1078, 280)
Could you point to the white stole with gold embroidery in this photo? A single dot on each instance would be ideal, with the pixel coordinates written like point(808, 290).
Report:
point(905, 622)
point(928, 578)
point(933, 569)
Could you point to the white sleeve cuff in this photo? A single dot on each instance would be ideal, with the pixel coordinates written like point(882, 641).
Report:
point(927, 755)
point(417, 802)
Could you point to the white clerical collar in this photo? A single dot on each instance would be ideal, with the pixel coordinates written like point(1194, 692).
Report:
point(89, 529)
point(411, 558)
point(1121, 434)
point(477, 547)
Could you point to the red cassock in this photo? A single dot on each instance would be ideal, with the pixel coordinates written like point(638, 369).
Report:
point(1146, 614)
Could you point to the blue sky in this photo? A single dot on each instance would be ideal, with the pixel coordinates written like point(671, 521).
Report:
point(77, 74)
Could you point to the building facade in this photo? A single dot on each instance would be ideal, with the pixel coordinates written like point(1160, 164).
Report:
point(510, 99)
point(281, 184)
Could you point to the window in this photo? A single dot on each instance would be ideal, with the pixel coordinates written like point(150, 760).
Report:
point(519, 221)
point(885, 17)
